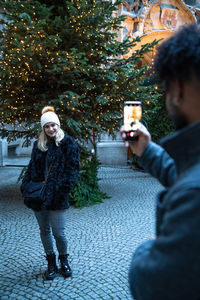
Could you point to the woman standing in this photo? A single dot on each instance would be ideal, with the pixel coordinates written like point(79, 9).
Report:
point(55, 154)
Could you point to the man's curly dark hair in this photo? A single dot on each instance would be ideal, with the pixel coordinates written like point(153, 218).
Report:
point(178, 57)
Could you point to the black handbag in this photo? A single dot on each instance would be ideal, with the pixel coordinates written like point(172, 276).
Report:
point(34, 192)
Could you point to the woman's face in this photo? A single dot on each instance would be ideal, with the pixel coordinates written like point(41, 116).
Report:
point(51, 129)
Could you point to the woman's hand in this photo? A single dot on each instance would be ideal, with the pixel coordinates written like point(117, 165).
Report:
point(139, 145)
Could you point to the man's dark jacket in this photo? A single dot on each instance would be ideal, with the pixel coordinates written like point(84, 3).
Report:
point(62, 176)
point(168, 268)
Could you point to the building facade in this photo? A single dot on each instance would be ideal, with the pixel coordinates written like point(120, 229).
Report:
point(148, 20)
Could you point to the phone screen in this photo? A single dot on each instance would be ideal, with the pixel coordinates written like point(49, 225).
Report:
point(132, 116)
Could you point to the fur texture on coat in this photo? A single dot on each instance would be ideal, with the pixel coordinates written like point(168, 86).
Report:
point(65, 160)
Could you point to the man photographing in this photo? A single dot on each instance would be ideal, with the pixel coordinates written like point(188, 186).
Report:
point(168, 267)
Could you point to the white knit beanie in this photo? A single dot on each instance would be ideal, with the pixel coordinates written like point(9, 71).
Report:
point(48, 116)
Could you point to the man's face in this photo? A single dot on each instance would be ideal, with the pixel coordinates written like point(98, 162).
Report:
point(174, 109)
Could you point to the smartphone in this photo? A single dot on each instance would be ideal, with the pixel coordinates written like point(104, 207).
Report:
point(132, 116)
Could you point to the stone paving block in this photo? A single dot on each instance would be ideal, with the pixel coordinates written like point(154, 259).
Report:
point(101, 238)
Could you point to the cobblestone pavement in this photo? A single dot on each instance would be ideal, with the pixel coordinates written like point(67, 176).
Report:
point(101, 239)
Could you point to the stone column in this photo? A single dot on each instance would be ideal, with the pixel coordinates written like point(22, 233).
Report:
point(1, 154)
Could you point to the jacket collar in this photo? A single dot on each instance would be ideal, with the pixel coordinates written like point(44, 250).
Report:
point(51, 142)
point(63, 141)
point(184, 146)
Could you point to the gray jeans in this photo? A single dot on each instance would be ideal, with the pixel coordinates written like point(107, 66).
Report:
point(52, 221)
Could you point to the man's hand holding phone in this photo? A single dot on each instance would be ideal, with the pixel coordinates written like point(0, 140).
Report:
point(143, 139)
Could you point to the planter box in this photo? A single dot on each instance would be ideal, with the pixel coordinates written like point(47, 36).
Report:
point(112, 152)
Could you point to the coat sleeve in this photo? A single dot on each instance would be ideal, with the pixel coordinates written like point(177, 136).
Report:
point(27, 175)
point(72, 166)
point(167, 268)
point(156, 161)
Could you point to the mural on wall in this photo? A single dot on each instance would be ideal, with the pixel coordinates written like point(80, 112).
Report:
point(132, 6)
point(146, 16)
point(169, 16)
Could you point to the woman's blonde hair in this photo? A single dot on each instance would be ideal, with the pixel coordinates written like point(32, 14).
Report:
point(43, 139)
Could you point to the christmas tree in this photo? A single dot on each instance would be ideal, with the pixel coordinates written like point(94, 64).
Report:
point(66, 54)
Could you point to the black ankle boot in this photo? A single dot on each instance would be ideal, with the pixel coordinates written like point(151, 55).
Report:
point(65, 269)
point(50, 273)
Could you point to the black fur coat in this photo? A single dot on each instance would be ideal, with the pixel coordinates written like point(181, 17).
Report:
point(63, 174)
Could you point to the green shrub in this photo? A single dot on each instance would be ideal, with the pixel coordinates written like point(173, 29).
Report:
point(156, 119)
point(86, 192)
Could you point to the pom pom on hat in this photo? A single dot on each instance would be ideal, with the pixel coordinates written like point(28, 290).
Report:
point(49, 116)
point(47, 108)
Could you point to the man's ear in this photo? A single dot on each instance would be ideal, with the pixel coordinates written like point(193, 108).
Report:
point(180, 90)
point(177, 91)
